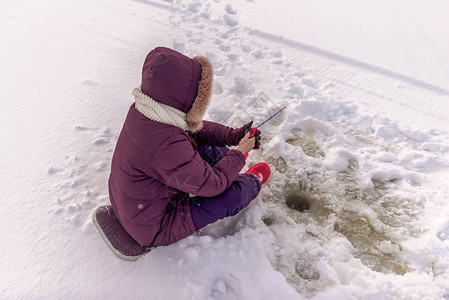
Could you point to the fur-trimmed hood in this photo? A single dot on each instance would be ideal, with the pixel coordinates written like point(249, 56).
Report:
point(176, 80)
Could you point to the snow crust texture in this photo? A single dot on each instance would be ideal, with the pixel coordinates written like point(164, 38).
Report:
point(357, 205)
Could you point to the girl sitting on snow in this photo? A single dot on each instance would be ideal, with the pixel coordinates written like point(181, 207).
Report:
point(166, 152)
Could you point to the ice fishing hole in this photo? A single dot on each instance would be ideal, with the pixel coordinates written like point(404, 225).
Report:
point(299, 200)
point(268, 221)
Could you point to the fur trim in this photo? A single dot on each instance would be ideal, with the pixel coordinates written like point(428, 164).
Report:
point(194, 117)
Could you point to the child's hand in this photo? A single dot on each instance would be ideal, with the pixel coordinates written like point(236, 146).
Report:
point(246, 144)
point(258, 138)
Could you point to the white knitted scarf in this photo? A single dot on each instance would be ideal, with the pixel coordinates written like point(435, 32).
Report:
point(159, 112)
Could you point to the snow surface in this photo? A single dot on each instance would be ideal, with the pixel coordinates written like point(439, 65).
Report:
point(357, 206)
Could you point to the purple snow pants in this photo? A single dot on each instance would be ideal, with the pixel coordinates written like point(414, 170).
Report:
point(207, 210)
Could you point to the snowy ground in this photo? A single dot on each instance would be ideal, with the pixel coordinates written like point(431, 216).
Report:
point(357, 206)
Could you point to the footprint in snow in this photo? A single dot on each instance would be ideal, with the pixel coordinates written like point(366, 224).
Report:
point(231, 20)
point(313, 83)
point(234, 57)
point(221, 70)
point(242, 86)
point(443, 234)
point(296, 91)
point(230, 10)
point(225, 48)
point(258, 54)
point(81, 128)
point(277, 57)
point(52, 170)
point(226, 286)
point(277, 54)
point(101, 140)
point(299, 74)
point(89, 83)
point(175, 21)
point(218, 90)
point(194, 7)
point(246, 48)
point(181, 47)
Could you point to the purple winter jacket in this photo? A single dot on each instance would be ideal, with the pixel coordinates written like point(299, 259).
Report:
point(155, 167)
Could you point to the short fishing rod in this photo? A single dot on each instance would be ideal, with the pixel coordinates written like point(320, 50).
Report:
point(253, 130)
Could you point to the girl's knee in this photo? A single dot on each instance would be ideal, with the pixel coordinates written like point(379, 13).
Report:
point(249, 184)
point(243, 190)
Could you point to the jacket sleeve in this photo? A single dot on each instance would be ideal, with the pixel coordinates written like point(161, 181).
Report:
point(178, 165)
point(212, 134)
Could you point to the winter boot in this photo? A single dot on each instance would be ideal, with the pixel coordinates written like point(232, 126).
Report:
point(261, 170)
